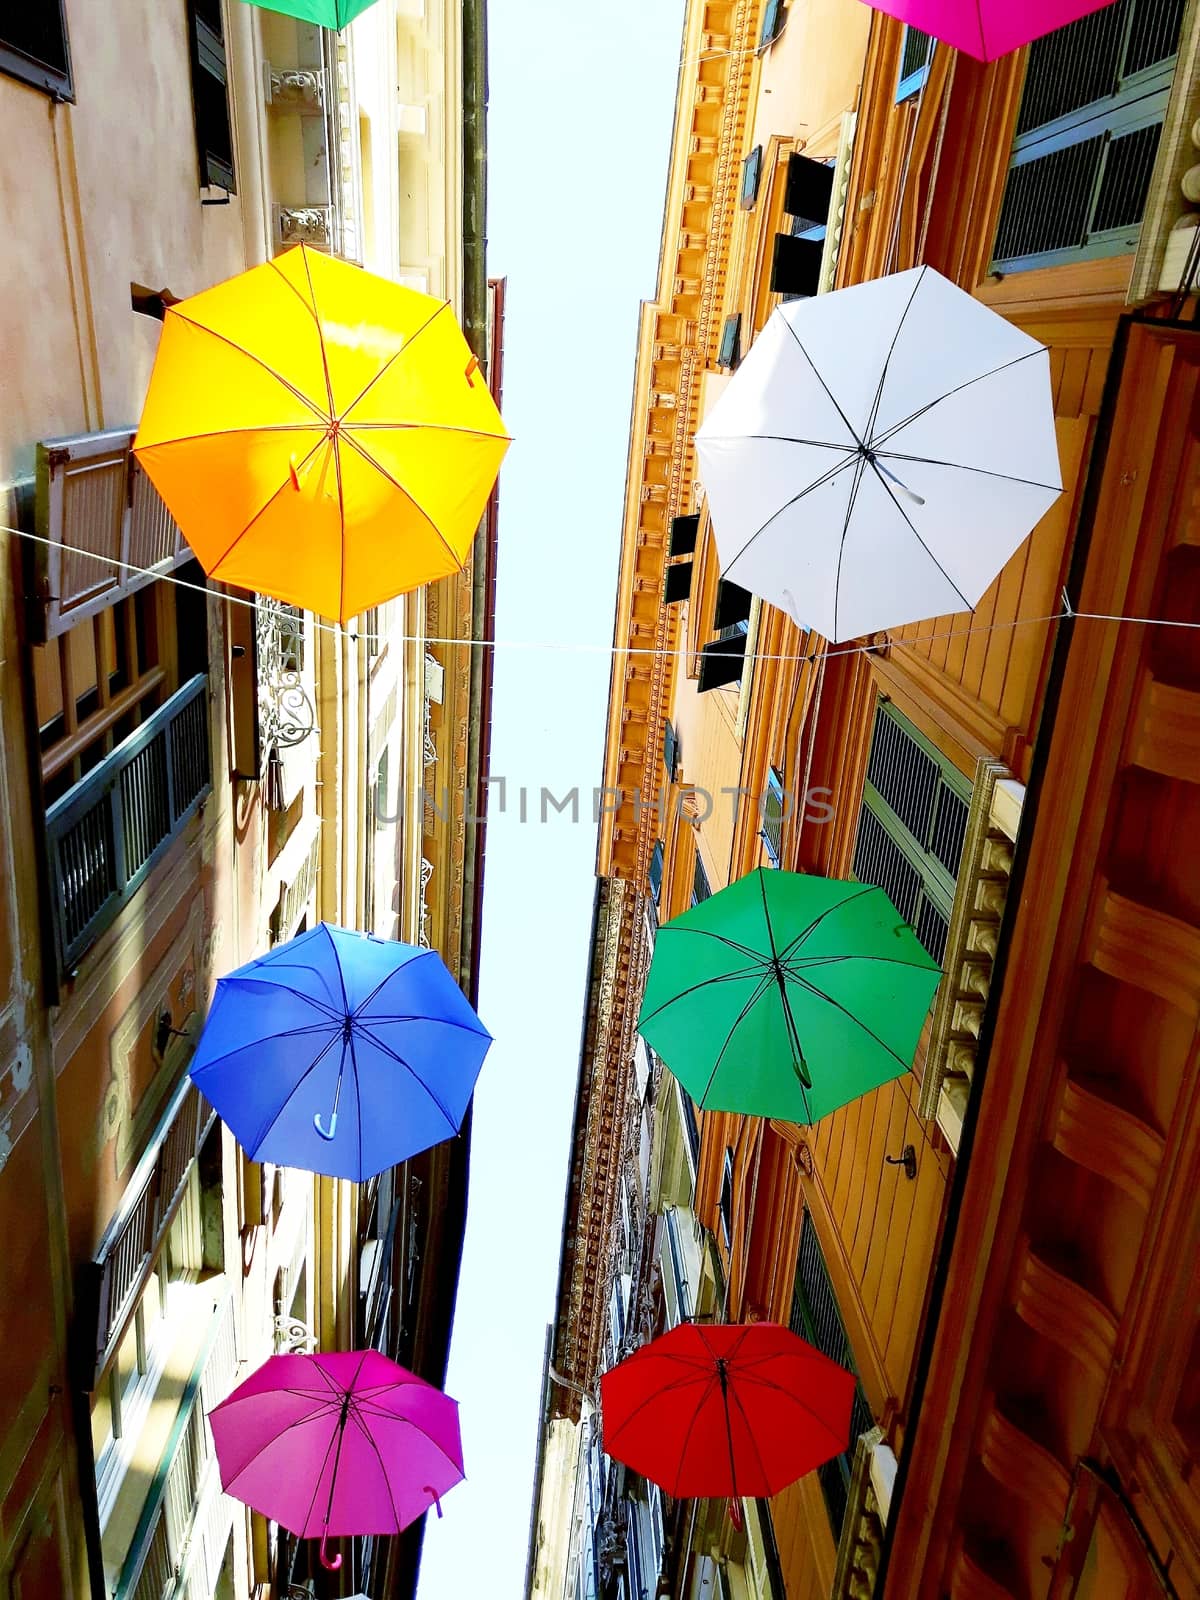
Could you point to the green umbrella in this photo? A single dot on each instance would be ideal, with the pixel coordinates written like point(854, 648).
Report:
point(326, 13)
point(787, 996)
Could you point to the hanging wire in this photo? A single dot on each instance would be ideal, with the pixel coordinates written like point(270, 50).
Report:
point(578, 647)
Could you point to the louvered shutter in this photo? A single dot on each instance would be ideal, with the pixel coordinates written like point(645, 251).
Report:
point(101, 515)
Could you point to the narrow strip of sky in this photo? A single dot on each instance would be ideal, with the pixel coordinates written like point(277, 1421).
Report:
point(581, 105)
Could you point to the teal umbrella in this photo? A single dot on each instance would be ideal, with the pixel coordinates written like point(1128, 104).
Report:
point(787, 996)
point(326, 13)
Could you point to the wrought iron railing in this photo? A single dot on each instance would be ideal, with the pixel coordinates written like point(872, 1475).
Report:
point(106, 834)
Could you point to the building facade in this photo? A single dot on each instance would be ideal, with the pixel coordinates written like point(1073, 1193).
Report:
point(985, 1242)
point(192, 775)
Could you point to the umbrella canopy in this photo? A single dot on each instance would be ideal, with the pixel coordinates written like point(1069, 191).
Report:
point(787, 996)
point(726, 1409)
point(880, 454)
point(339, 1444)
point(320, 434)
point(326, 13)
point(340, 1053)
point(988, 28)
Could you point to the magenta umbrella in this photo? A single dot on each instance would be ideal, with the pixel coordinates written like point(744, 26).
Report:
point(329, 1445)
point(988, 28)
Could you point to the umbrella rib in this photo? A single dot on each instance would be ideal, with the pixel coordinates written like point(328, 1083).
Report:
point(961, 466)
point(252, 1044)
point(950, 393)
point(273, 496)
point(736, 1024)
point(816, 374)
point(394, 357)
point(859, 462)
point(287, 1100)
point(967, 606)
point(832, 961)
point(274, 1439)
point(732, 1392)
point(337, 459)
point(857, 1021)
point(790, 949)
point(335, 1435)
point(369, 1437)
point(224, 433)
point(430, 427)
point(438, 1022)
point(778, 438)
point(887, 360)
point(387, 978)
point(779, 1388)
point(408, 495)
point(258, 361)
point(414, 1074)
point(799, 1062)
point(724, 977)
point(708, 933)
point(691, 1428)
point(826, 477)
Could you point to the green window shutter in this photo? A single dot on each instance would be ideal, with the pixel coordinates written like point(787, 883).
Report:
point(729, 352)
point(1088, 129)
point(210, 96)
point(911, 826)
point(751, 173)
point(816, 1318)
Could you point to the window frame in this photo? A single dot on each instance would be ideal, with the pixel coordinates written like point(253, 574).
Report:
point(936, 884)
point(729, 350)
point(1139, 100)
point(725, 1199)
point(774, 791)
point(15, 63)
point(204, 46)
point(752, 165)
point(913, 82)
point(773, 23)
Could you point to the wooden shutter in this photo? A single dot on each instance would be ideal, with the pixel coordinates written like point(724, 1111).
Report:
point(101, 515)
point(808, 189)
point(733, 605)
point(210, 95)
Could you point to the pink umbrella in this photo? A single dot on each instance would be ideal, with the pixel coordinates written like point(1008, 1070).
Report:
point(346, 1443)
point(988, 28)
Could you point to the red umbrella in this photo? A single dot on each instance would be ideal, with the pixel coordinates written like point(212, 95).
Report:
point(988, 28)
point(726, 1409)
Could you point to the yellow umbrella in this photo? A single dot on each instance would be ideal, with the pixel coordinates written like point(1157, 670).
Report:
point(320, 434)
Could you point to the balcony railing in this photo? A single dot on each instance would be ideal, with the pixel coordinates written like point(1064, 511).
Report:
point(106, 835)
point(180, 1539)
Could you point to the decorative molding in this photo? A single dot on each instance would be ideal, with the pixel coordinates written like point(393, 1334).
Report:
point(862, 1527)
point(979, 900)
point(1063, 1311)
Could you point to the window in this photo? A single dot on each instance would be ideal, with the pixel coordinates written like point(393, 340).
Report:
point(916, 53)
point(700, 888)
point(729, 353)
point(772, 817)
point(816, 1318)
point(723, 661)
point(210, 95)
point(796, 263)
point(677, 582)
point(34, 48)
point(774, 16)
point(656, 874)
point(684, 531)
point(670, 749)
point(1087, 135)
point(912, 826)
point(725, 1203)
point(751, 173)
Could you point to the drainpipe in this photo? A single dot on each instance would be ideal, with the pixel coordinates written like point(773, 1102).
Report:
point(987, 1031)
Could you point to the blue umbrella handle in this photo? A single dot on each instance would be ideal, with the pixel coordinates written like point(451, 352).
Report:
point(332, 1125)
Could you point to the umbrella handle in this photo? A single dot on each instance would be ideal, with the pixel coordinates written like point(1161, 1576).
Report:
point(332, 1125)
point(433, 1495)
point(330, 1563)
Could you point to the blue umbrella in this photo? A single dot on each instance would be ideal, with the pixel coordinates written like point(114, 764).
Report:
point(340, 1053)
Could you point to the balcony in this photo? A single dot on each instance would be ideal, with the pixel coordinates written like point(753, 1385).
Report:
point(179, 1547)
point(106, 835)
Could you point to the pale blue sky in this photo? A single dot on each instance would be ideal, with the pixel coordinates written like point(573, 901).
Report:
point(582, 100)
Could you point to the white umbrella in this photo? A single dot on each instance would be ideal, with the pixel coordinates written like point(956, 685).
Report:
point(880, 454)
